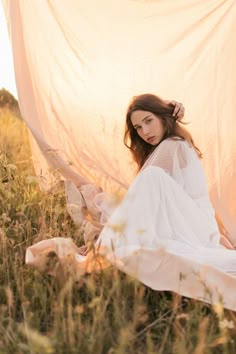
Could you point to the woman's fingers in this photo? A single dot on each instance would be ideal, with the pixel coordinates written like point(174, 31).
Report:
point(178, 110)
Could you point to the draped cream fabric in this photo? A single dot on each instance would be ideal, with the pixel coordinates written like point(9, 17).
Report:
point(78, 63)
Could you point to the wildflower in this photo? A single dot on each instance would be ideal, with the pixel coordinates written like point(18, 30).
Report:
point(226, 324)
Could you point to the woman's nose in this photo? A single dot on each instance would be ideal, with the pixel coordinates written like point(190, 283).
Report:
point(145, 130)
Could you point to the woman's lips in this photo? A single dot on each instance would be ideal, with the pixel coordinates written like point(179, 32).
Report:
point(151, 138)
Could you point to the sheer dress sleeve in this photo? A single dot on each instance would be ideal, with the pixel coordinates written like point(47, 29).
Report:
point(181, 162)
point(172, 156)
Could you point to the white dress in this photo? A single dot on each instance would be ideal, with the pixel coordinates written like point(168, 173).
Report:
point(164, 231)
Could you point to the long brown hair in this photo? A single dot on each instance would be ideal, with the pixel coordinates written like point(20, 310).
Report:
point(140, 149)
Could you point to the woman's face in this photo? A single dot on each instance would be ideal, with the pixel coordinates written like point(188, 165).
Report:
point(148, 126)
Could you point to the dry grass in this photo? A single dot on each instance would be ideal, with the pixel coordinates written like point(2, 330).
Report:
point(106, 313)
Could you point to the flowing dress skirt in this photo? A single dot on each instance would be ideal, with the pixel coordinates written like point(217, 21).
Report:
point(159, 235)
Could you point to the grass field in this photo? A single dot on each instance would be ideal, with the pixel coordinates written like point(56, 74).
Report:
point(106, 313)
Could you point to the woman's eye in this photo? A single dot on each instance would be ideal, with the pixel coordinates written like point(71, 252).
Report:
point(148, 121)
point(137, 128)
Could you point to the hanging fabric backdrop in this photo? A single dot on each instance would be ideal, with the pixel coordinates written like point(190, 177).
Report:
point(78, 63)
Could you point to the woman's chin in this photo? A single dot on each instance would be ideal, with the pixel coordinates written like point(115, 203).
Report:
point(154, 142)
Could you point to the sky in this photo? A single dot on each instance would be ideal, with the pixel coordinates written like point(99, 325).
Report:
point(7, 77)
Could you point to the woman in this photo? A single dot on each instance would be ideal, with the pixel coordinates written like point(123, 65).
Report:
point(157, 140)
point(143, 129)
point(164, 231)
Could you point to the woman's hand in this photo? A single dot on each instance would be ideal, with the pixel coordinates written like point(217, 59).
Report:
point(226, 243)
point(178, 110)
point(224, 240)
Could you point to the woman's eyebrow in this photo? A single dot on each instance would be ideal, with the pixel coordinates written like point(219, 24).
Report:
point(146, 117)
point(137, 125)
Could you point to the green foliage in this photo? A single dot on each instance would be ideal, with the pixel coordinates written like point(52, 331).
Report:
point(101, 313)
point(8, 102)
point(6, 98)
